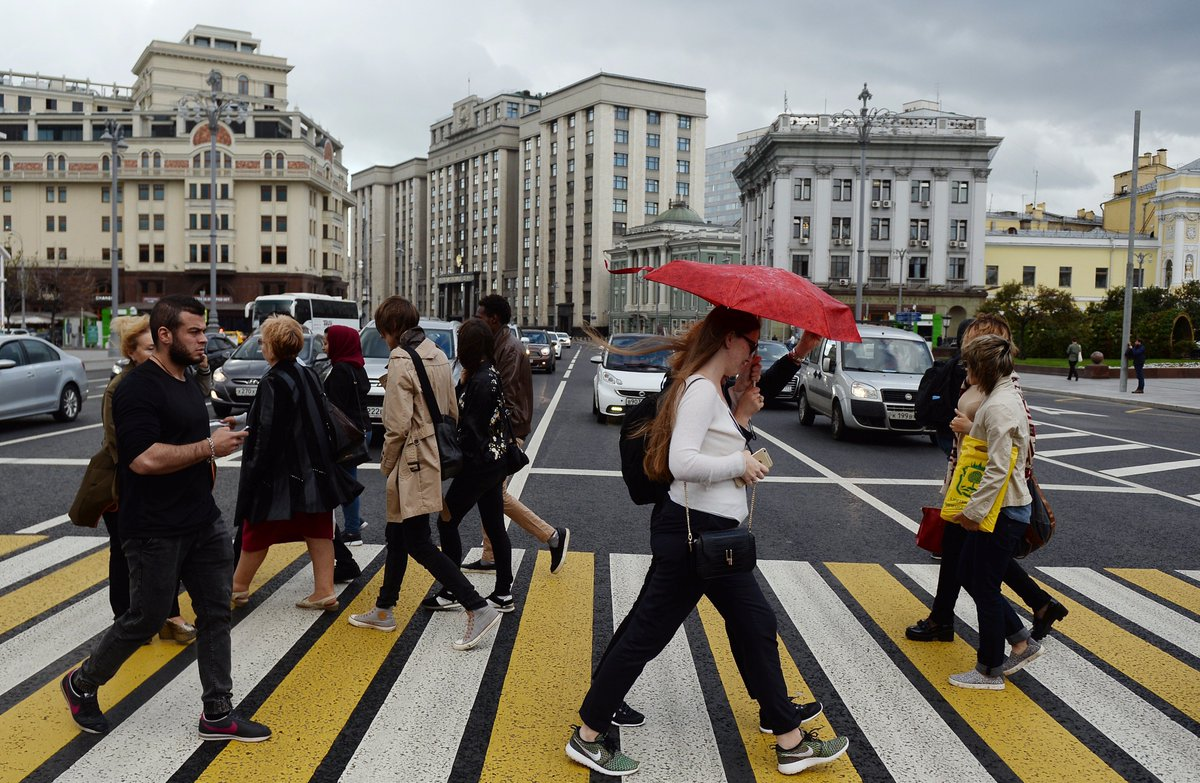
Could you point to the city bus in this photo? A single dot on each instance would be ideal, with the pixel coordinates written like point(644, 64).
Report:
point(315, 312)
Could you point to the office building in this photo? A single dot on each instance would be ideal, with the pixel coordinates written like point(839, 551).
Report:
point(722, 196)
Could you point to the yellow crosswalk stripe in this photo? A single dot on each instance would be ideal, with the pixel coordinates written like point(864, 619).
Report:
point(1158, 671)
point(547, 676)
point(28, 601)
point(1163, 585)
point(1004, 720)
point(39, 726)
point(761, 747)
point(331, 677)
point(11, 543)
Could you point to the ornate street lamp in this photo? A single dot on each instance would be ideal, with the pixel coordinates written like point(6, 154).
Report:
point(114, 134)
point(213, 109)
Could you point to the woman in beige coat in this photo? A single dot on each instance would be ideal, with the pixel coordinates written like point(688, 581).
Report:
point(412, 468)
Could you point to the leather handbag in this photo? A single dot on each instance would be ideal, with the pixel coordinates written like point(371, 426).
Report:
point(1041, 521)
point(929, 534)
point(450, 454)
point(515, 457)
point(718, 553)
point(348, 441)
point(97, 492)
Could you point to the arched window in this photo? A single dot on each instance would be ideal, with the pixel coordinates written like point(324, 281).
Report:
point(279, 161)
point(1168, 269)
point(158, 160)
point(6, 163)
point(268, 161)
point(49, 163)
point(62, 162)
point(145, 160)
point(226, 160)
point(105, 163)
point(243, 85)
point(196, 161)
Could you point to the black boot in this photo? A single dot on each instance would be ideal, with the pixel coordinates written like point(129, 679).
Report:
point(929, 631)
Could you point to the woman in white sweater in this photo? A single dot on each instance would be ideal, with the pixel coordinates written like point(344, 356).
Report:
point(696, 444)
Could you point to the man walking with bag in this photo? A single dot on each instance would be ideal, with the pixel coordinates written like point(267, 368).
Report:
point(170, 525)
point(1074, 351)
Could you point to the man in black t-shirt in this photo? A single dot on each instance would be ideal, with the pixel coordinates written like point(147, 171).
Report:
point(170, 525)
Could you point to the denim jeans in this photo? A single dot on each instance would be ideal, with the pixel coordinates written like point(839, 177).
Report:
point(203, 559)
point(350, 511)
point(949, 579)
point(982, 564)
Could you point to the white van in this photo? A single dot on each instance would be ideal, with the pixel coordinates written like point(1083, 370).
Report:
point(870, 385)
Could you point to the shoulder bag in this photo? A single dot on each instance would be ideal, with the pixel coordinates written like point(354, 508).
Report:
point(449, 451)
point(347, 442)
point(1041, 521)
point(515, 457)
point(718, 553)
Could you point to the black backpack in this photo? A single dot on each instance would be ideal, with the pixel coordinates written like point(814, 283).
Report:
point(642, 489)
point(937, 396)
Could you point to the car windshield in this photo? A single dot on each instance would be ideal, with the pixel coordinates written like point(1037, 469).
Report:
point(771, 352)
point(251, 350)
point(650, 362)
point(881, 354)
point(374, 346)
point(537, 338)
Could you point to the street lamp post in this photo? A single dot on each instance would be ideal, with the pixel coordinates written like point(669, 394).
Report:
point(900, 252)
point(863, 122)
point(212, 109)
point(114, 134)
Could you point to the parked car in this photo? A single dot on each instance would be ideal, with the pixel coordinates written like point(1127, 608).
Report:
point(235, 383)
point(540, 346)
point(219, 348)
point(375, 358)
point(624, 381)
point(772, 351)
point(37, 377)
point(870, 385)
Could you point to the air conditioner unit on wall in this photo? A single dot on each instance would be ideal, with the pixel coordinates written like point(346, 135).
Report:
point(804, 240)
point(843, 281)
point(874, 205)
point(912, 243)
point(887, 205)
point(925, 204)
point(924, 243)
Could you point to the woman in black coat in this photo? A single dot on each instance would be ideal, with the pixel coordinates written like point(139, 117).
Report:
point(347, 386)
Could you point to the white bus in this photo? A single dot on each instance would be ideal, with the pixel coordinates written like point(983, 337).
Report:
point(315, 312)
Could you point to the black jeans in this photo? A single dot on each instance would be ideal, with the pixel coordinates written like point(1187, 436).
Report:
point(949, 579)
point(118, 571)
point(486, 491)
point(1141, 376)
point(669, 595)
point(984, 560)
point(1071, 372)
point(412, 537)
point(204, 561)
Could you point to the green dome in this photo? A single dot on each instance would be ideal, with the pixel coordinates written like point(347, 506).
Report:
point(679, 213)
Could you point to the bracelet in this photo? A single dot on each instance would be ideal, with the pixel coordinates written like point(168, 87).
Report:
point(212, 450)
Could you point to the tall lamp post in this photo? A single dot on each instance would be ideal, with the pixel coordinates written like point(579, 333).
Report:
point(114, 134)
point(900, 253)
point(863, 122)
point(8, 256)
point(213, 109)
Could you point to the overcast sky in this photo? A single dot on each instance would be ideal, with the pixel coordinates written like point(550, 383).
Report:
point(1058, 80)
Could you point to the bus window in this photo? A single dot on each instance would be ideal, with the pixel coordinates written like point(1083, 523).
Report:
point(303, 310)
point(331, 308)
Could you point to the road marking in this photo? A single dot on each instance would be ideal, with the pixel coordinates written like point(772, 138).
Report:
point(49, 523)
point(1065, 412)
point(1066, 428)
point(1096, 474)
point(44, 461)
point(11, 543)
point(167, 721)
point(46, 556)
point(1191, 574)
point(1133, 606)
point(1162, 746)
point(575, 472)
point(1139, 410)
point(1195, 497)
point(1052, 435)
point(26, 654)
point(1090, 450)
point(898, 722)
point(50, 434)
point(1158, 467)
point(421, 723)
point(551, 654)
point(1163, 585)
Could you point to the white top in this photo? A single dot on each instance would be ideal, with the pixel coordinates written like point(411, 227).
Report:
point(706, 452)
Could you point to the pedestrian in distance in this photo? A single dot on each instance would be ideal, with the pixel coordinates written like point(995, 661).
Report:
point(347, 387)
point(990, 542)
point(1136, 353)
point(517, 381)
point(290, 483)
point(1074, 352)
point(483, 436)
point(695, 444)
point(411, 466)
point(170, 525)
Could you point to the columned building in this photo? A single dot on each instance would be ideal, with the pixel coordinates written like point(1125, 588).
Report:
point(281, 195)
point(926, 194)
point(1177, 205)
point(391, 235)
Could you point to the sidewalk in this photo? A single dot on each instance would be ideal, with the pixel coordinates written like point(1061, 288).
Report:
point(93, 358)
point(1176, 394)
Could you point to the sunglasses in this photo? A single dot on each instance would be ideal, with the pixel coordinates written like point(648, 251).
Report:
point(752, 343)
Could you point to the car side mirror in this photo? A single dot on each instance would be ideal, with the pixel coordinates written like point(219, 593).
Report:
point(828, 364)
point(597, 359)
point(7, 364)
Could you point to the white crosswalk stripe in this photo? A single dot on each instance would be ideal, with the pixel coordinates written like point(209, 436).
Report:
point(46, 556)
point(25, 654)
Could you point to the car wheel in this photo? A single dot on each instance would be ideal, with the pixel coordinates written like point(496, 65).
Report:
point(805, 412)
point(550, 368)
point(837, 426)
point(68, 404)
point(221, 410)
point(600, 417)
point(933, 440)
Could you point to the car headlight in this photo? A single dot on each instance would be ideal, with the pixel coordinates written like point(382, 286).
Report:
point(219, 376)
point(608, 378)
point(545, 352)
point(864, 392)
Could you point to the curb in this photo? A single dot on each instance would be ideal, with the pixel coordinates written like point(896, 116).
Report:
point(1170, 406)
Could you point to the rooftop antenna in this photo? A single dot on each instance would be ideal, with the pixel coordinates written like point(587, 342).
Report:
point(937, 90)
point(785, 102)
point(1035, 187)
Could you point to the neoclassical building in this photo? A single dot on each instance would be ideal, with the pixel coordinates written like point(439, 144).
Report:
point(1177, 205)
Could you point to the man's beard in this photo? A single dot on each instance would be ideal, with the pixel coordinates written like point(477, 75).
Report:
point(180, 356)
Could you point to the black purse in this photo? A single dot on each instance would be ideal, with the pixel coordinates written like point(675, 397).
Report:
point(346, 440)
point(719, 553)
point(515, 457)
point(450, 453)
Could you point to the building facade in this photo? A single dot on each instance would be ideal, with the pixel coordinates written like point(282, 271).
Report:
point(281, 193)
point(722, 196)
point(390, 225)
point(926, 191)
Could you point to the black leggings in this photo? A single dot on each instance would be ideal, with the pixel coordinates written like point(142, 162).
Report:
point(412, 537)
point(486, 491)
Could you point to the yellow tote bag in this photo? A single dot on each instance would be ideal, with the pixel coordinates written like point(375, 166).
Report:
point(968, 472)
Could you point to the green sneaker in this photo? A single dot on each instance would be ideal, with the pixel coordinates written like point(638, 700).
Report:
point(811, 752)
point(601, 755)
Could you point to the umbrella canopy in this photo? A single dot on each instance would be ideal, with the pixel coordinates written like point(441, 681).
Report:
point(765, 291)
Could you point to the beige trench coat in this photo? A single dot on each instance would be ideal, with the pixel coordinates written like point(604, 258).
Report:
point(410, 456)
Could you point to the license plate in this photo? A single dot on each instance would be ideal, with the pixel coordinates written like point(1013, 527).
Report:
point(631, 401)
point(905, 415)
point(245, 391)
point(375, 413)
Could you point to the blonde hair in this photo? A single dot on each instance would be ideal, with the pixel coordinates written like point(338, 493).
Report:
point(284, 336)
point(990, 323)
point(129, 328)
point(989, 358)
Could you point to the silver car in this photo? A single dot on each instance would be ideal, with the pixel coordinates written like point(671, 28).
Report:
point(375, 358)
point(36, 377)
point(235, 383)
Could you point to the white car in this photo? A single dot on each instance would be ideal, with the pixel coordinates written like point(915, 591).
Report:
point(624, 381)
point(375, 358)
point(564, 339)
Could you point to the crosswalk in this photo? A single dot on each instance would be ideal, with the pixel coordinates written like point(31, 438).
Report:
point(1116, 696)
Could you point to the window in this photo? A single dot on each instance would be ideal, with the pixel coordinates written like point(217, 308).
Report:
point(684, 144)
point(51, 254)
point(281, 254)
point(263, 251)
point(685, 122)
point(160, 192)
point(144, 254)
point(105, 225)
point(264, 193)
point(160, 222)
point(281, 223)
point(621, 136)
point(651, 207)
point(1064, 277)
point(591, 137)
point(881, 190)
point(620, 183)
point(956, 268)
point(800, 228)
point(62, 222)
point(919, 191)
point(918, 229)
point(842, 190)
point(958, 231)
point(620, 112)
point(1101, 277)
point(881, 228)
point(841, 228)
point(839, 266)
point(918, 267)
point(268, 91)
point(682, 188)
point(802, 189)
point(878, 267)
point(958, 191)
point(160, 254)
point(143, 222)
point(24, 103)
point(243, 85)
point(651, 186)
point(6, 193)
point(651, 163)
point(281, 192)
point(621, 159)
point(991, 275)
point(50, 195)
point(143, 192)
point(683, 166)
point(51, 104)
point(6, 225)
point(800, 264)
point(264, 223)
point(620, 205)
point(652, 140)
point(652, 118)
point(106, 254)
point(77, 107)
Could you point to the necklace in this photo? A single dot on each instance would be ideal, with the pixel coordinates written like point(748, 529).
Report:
point(157, 361)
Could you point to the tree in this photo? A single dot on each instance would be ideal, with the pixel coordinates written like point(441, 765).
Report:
point(1042, 321)
point(1012, 301)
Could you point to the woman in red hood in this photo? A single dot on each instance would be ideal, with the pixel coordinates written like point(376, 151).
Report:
point(347, 386)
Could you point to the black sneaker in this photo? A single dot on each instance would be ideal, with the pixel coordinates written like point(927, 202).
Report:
point(559, 553)
point(501, 603)
point(441, 601)
point(346, 571)
point(231, 727)
point(805, 712)
point(479, 566)
point(85, 709)
point(352, 539)
point(627, 717)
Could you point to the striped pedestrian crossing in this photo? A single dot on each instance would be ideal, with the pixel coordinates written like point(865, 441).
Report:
point(1116, 695)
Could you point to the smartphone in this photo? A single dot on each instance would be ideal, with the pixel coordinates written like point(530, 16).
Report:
point(762, 456)
point(216, 424)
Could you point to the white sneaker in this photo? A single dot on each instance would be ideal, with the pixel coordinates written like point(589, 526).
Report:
point(977, 681)
point(480, 623)
point(379, 619)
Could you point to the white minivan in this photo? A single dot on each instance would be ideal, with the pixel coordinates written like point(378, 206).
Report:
point(870, 385)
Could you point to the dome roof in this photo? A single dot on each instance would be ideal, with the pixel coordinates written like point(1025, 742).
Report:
point(679, 212)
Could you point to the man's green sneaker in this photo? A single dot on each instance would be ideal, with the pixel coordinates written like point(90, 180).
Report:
point(601, 755)
point(811, 752)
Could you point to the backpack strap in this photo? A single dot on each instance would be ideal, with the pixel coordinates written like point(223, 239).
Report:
point(435, 413)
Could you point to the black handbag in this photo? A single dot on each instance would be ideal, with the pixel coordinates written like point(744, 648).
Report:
point(450, 453)
point(719, 553)
point(346, 440)
point(1042, 523)
point(515, 457)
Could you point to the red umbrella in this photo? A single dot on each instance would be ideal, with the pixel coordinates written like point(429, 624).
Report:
point(765, 291)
